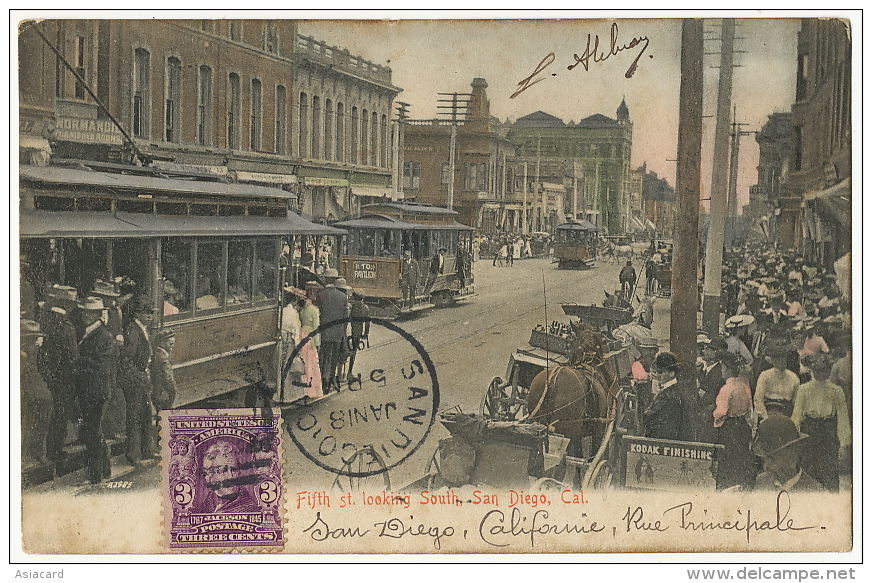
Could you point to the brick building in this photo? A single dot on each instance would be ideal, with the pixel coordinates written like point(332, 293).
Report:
point(774, 141)
point(816, 202)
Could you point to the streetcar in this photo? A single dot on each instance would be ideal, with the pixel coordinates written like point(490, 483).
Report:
point(576, 244)
point(209, 257)
point(379, 239)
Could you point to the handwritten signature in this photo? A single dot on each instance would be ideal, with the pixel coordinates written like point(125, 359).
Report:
point(590, 53)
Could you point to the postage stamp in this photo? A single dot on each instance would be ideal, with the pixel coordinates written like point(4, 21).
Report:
point(222, 479)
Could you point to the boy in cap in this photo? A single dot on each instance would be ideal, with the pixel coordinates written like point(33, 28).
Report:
point(92, 382)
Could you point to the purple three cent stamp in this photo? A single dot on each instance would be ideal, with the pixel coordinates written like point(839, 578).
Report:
point(222, 478)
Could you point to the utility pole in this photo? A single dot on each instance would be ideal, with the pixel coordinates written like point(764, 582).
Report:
point(459, 103)
point(402, 116)
point(524, 206)
point(714, 251)
point(732, 210)
point(452, 149)
point(574, 191)
point(682, 329)
point(537, 204)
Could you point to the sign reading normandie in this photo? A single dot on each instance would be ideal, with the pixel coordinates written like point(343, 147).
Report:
point(92, 131)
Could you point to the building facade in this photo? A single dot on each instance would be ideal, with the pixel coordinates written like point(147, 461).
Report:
point(762, 211)
point(481, 172)
point(599, 144)
point(658, 201)
point(816, 202)
point(236, 100)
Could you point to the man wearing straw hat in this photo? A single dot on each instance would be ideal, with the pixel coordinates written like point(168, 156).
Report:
point(92, 382)
point(734, 326)
point(56, 360)
point(112, 300)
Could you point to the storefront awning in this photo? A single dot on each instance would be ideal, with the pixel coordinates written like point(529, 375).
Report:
point(833, 203)
point(54, 176)
point(47, 224)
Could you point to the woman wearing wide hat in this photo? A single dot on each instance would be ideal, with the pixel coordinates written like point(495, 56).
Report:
point(732, 418)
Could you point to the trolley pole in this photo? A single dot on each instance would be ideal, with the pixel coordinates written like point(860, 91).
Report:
point(524, 207)
point(714, 250)
point(682, 329)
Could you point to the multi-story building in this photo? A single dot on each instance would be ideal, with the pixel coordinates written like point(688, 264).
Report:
point(761, 212)
point(658, 200)
point(816, 202)
point(237, 100)
point(481, 173)
point(601, 146)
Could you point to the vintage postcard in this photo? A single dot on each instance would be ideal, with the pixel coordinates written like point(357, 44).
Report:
point(573, 286)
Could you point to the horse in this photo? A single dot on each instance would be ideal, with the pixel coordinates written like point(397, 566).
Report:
point(575, 400)
point(624, 252)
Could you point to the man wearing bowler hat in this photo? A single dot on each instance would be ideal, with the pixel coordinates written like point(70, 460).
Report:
point(668, 416)
point(781, 445)
point(134, 379)
point(112, 300)
point(92, 382)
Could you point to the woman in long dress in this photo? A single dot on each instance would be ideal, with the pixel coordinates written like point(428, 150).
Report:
point(291, 335)
point(310, 319)
point(732, 421)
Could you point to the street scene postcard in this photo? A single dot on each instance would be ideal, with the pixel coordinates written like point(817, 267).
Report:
point(577, 285)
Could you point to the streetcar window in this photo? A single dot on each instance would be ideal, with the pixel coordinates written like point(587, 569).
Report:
point(209, 285)
point(176, 262)
point(240, 258)
point(388, 243)
point(265, 274)
point(366, 243)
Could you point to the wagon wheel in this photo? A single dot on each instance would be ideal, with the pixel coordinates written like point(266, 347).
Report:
point(503, 401)
point(603, 478)
point(364, 461)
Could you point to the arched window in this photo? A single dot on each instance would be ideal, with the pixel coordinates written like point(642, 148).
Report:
point(204, 106)
point(304, 125)
point(233, 112)
point(385, 128)
point(373, 149)
point(355, 128)
point(316, 127)
point(340, 132)
point(328, 129)
point(281, 118)
point(256, 127)
point(141, 92)
point(364, 138)
point(173, 132)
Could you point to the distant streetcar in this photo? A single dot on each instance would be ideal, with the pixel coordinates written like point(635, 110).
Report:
point(379, 239)
point(576, 244)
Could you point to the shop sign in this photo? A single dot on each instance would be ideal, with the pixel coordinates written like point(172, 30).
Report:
point(87, 131)
point(662, 464)
point(265, 178)
point(365, 270)
point(317, 181)
point(220, 171)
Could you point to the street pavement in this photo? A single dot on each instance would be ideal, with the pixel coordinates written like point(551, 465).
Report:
point(469, 344)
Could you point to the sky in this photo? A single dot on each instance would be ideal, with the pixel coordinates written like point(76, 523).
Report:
point(431, 56)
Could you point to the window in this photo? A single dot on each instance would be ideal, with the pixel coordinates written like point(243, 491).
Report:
point(802, 77)
point(271, 37)
point(354, 135)
point(328, 129)
point(364, 138)
point(171, 113)
point(385, 141)
point(209, 285)
point(316, 127)
point(481, 175)
point(444, 175)
point(340, 132)
point(233, 112)
point(235, 30)
point(176, 262)
point(265, 274)
point(304, 125)
point(281, 118)
point(255, 132)
point(81, 50)
point(240, 258)
point(141, 81)
point(373, 151)
point(797, 148)
point(204, 106)
point(411, 175)
point(471, 180)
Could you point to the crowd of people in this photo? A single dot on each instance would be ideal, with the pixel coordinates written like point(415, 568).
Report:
point(91, 369)
point(504, 250)
point(323, 327)
point(774, 388)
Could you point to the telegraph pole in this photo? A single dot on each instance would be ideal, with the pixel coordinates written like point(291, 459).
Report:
point(732, 210)
point(714, 251)
point(459, 103)
point(402, 116)
point(682, 330)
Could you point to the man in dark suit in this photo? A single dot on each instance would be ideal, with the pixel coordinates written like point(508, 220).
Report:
point(133, 377)
point(669, 415)
point(410, 275)
point(334, 310)
point(92, 382)
point(437, 268)
point(56, 362)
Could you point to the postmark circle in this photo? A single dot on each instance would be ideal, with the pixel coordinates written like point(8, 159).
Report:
point(387, 411)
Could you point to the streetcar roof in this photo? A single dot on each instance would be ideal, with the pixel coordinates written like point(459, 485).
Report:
point(578, 226)
point(50, 224)
point(66, 177)
point(375, 221)
point(412, 207)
